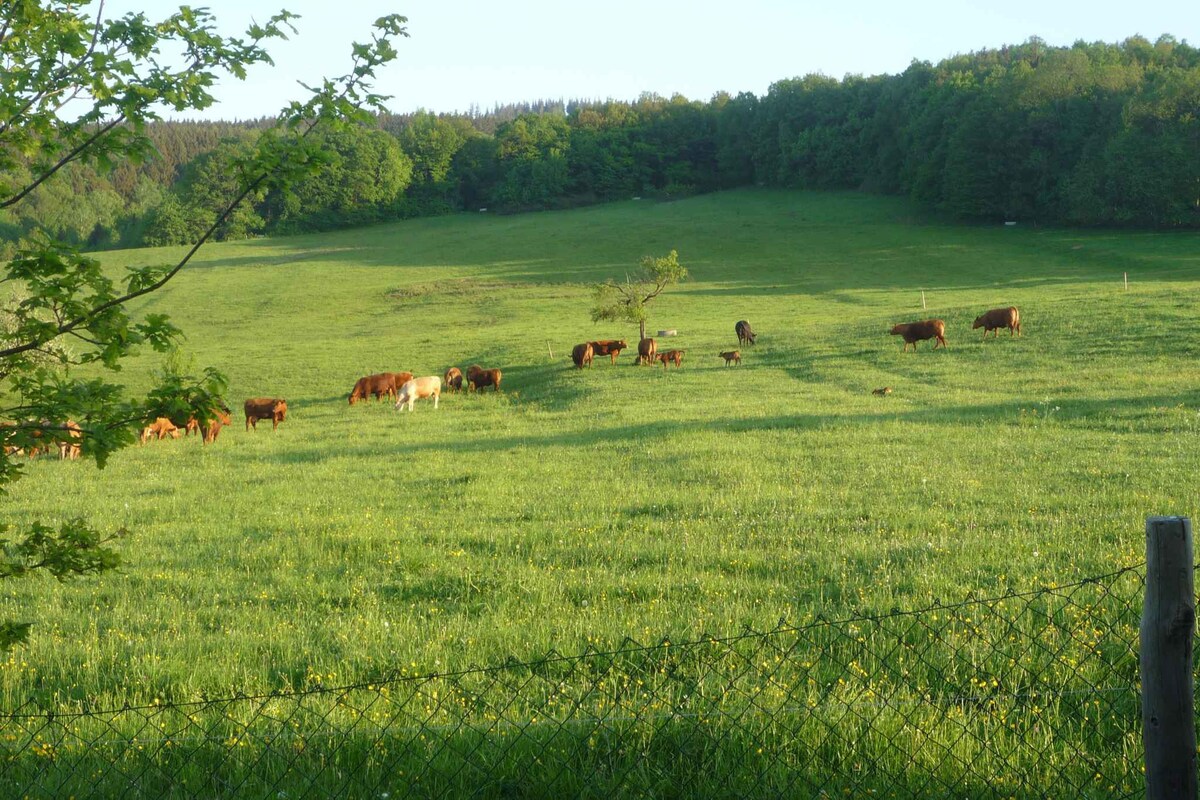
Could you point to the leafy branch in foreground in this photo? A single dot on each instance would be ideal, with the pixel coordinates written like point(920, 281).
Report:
point(79, 88)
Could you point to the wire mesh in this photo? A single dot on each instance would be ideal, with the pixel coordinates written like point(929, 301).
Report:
point(1022, 695)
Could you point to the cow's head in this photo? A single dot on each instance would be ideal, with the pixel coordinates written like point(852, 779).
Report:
point(978, 322)
point(280, 410)
point(898, 329)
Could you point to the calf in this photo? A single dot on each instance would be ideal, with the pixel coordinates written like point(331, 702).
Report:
point(213, 429)
point(160, 429)
point(71, 448)
point(453, 379)
point(272, 408)
point(646, 351)
point(913, 332)
point(744, 333)
point(999, 318)
point(417, 388)
point(731, 355)
point(582, 355)
point(673, 356)
point(608, 347)
point(480, 378)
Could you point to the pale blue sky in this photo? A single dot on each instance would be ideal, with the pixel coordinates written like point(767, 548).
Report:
point(503, 51)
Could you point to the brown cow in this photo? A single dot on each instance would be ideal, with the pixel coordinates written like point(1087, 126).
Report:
point(582, 355)
point(999, 318)
point(732, 355)
point(191, 425)
point(213, 429)
point(453, 379)
point(646, 350)
point(72, 448)
point(418, 388)
point(160, 429)
point(272, 408)
point(379, 384)
point(608, 347)
point(480, 378)
point(673, 356)
point(914, 332)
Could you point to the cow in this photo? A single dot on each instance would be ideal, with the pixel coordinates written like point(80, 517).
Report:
point(999, 318)
point(272, 408)
point(734, 356)
point(744, 333)
point(192, 425)
point(673, 356)
point(913, 332)
point(160, 429)
point(71, 448)
point(453, 379)
point(608, 347)
point(646, 350)
point(379, 384)
point(480, 378)
point(220, 419)
point(417, 388)
point(882, 391)
point(582, 355)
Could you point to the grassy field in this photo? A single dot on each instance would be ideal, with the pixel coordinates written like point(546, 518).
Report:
point(578, 508)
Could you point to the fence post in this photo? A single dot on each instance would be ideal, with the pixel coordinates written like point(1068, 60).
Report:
point(1168, 622)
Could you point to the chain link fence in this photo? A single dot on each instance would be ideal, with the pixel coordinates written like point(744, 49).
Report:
point(1022, 695)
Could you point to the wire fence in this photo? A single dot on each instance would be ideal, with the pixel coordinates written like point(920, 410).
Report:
point(1029, 694)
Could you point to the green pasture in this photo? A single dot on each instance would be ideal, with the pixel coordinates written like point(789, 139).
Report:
point(578, 508)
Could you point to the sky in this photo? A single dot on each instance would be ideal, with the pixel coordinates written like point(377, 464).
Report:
point(483, 53)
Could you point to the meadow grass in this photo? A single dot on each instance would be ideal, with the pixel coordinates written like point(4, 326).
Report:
point(578, 508)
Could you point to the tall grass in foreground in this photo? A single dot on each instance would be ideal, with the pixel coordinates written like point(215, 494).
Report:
point(576, 509)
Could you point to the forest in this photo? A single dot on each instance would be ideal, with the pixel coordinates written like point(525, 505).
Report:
point(1094, 134)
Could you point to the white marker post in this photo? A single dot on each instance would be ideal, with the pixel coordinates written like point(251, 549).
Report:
point(1126, 274)
point(922, 298)
point(549, 350)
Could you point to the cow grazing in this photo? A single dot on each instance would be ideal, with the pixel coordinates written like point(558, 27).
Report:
point(744, 333)
point(582, 355)
point(192, 425)
point(913, 332)
point(480, 378)
point(880, 392)
point(272, 408)
point(160, 429)
point(734, 356)
point(608, 347)
point(646, 350)
point(418, 388)
point(999, 318)
point(673, 356)
point(453, 379)
point(377, 385)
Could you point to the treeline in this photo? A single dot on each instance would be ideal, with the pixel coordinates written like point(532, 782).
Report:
point(1092, 134)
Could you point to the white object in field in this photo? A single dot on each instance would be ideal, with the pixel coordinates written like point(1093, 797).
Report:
point(670, 332)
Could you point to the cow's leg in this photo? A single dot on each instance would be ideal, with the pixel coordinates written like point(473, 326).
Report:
point(435, 400)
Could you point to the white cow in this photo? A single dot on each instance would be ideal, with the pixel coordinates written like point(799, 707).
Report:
point(417, 388)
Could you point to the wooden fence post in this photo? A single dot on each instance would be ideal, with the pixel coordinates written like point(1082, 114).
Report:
point(1168, 623)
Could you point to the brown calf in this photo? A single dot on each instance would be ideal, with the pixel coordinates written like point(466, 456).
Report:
point(731, 355)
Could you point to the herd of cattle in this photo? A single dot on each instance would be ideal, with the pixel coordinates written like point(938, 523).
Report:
point(406, 389)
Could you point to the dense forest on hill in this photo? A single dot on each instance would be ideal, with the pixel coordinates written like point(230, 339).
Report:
point(1092, 134)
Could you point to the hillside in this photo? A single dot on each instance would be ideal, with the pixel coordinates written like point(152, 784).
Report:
point(578, 508)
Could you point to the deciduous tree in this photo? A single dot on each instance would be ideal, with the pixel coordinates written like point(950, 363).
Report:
point(626, 301)
point(77, 87)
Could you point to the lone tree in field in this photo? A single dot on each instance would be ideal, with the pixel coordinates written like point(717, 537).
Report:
point(79, 88)
point(626, 302)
